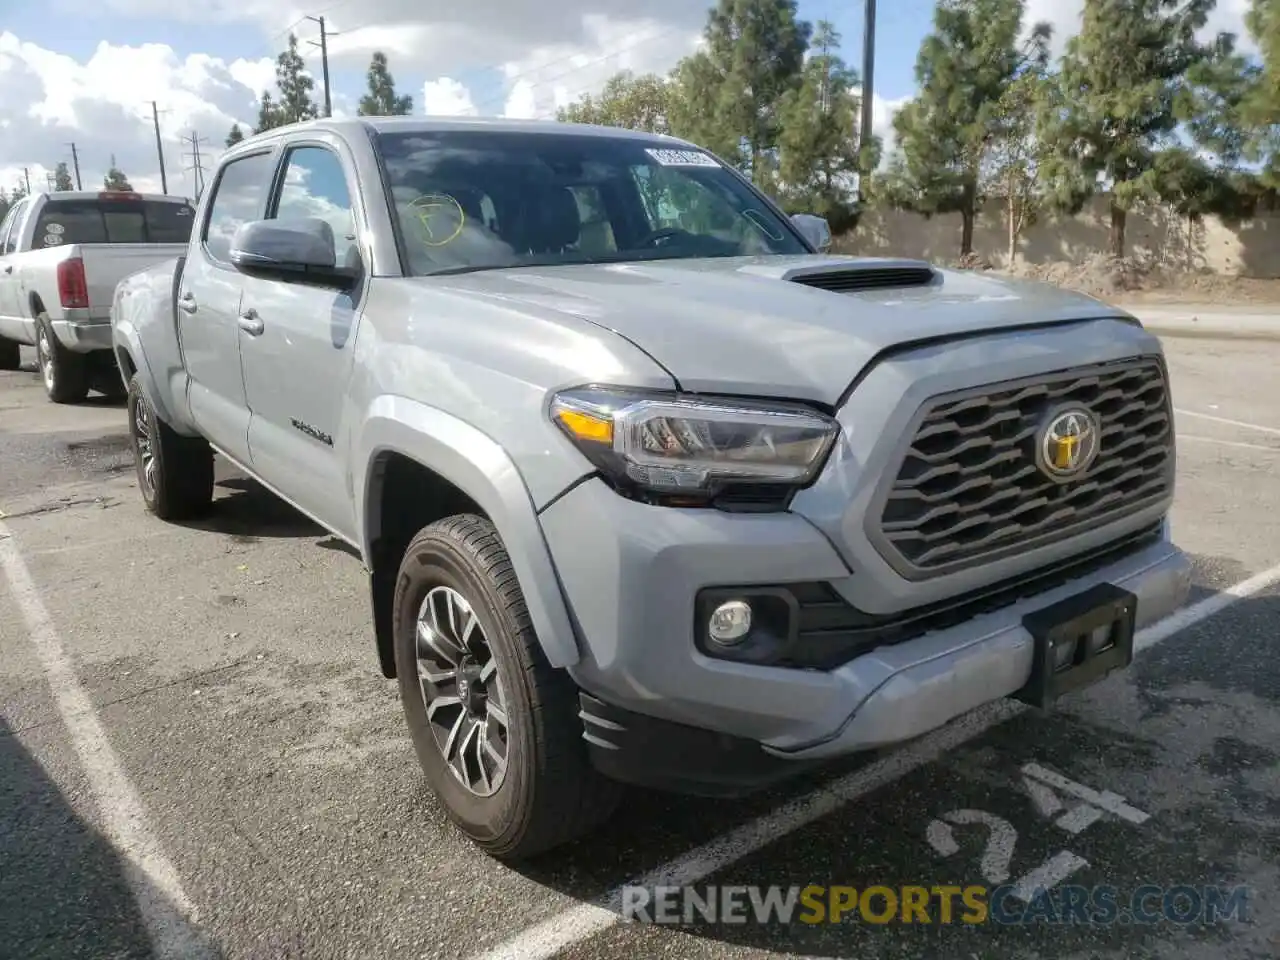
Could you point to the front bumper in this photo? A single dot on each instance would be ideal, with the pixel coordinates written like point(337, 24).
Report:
point(631, 574)
point(81, 333)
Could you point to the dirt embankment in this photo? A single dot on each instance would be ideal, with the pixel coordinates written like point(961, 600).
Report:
point(1135, 282)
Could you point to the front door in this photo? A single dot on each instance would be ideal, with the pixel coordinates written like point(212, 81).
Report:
point(13, 324)
point(298, 364)
point(209, 296)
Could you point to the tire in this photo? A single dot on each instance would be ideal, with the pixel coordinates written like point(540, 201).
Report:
point(10, 355)
point(65, 374)
point(549, 793)
point(178, 485)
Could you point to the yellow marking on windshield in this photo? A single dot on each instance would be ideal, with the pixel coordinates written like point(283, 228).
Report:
point(440, 218)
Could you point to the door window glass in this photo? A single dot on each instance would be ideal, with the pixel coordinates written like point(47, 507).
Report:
point(315, 187)
point(238, 198)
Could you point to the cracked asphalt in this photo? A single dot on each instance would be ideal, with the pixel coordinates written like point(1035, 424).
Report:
point(231, 667)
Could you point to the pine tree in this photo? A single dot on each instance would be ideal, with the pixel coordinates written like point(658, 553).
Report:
point(1120, 83)
point(5, 203)
point(964, 68)
point(269, 114)
point(733, 88)
point(381, 100)
point(295, 86)
point(115, 178)
point(235, 136)
point(62, 177)
point(817, 156)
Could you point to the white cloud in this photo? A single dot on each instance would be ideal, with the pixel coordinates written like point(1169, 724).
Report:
point(447, 97)
point(1065, 16)
point(51, 100)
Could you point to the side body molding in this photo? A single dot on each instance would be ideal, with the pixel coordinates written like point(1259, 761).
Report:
point(479, 467)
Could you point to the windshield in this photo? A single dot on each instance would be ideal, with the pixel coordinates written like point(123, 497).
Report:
point(478, 200)
point(113, 221)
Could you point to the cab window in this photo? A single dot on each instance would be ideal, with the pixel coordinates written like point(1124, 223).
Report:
point(315, 187)
point(238, 198)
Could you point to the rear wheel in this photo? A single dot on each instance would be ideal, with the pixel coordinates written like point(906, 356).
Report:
point(10, 355)
point(495, 726)
point(65, 376)
point(175, 473)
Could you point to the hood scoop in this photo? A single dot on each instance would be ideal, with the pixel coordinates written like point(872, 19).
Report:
point(864, 274)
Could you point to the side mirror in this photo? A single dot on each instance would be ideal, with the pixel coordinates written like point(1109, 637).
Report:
point(301, 249)
point(815, 229)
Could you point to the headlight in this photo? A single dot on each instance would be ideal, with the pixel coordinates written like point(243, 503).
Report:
point(667, 444)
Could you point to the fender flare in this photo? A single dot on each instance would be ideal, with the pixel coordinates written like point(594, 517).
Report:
point(481, 468)
point(125, 335)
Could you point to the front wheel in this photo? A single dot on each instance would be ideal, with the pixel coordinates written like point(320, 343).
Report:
point(65, 374)
point(494, 725)
point(175, 473)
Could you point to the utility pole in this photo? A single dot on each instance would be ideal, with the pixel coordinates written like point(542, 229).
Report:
point(868, 87)
point(26, 175)
point(49, 179)
point(75, 160)
point(155, 119)
point(324, 61)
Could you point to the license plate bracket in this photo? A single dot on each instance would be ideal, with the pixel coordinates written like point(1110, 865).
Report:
point(1092, 631)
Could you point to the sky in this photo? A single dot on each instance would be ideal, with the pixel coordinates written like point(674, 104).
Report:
point(87, 71)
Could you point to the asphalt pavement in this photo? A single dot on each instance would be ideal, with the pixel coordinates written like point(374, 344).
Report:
point(197, 750)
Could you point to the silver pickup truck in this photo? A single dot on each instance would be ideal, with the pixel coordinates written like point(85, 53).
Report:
point(649, 488)
point(61, 258)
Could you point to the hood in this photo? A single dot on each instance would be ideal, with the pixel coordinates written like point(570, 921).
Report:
point(801, 327)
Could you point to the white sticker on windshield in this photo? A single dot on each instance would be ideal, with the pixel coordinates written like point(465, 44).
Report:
point(682, 158)
point(54, 228)
point(52, 239)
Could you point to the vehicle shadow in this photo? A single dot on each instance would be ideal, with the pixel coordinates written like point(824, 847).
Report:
point(877, 838)
point(247, 511)
point(64, 891)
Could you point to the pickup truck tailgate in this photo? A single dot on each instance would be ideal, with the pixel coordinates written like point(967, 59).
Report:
point(105, 265)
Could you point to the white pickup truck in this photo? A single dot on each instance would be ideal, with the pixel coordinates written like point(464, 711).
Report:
point(61, 257)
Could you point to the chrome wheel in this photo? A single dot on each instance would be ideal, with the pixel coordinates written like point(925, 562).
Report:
point(141, 429)
point(462, 691)
point(46, 358)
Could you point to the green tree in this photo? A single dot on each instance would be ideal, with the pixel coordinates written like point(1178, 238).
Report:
point(269, 114)
point(1013, 160)
point(5, 203)
point(964, 69)
point(115, 178)
point(381, 100)
point(1122, 78)
point(817, 156)
point(295, 86)
point(733, 88)
point(627, 101)
point(62, 177)
point(235, 136)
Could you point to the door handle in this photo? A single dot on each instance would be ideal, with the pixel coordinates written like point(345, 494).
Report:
point(187, 303)
point(250, 322)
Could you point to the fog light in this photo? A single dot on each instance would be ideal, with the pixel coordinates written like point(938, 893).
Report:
point(730, 622)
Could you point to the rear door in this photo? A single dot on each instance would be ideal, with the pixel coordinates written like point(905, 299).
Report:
point(297, 366)
point(209, 294)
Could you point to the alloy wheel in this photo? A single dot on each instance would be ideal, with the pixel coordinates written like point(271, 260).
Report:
point(46, 359)
point(141, 429)
point(462, 691)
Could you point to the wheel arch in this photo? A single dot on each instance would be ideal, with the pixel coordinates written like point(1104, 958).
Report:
point(417, 464)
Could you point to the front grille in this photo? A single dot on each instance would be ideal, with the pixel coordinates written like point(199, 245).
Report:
point(969, 489)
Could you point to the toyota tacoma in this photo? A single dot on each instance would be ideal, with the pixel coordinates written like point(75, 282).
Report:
point(650, 488)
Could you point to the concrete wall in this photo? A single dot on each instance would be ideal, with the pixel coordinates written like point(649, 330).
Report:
point(1154, 235)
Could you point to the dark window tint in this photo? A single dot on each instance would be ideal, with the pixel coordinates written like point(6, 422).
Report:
point(113, 221)
point(471, 200)
point(238, 198)
point(315, 188)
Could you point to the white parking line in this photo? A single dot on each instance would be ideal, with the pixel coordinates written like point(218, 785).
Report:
point(578, 923)
point(1239, 444)
point(163, 904)
point(1231, 423)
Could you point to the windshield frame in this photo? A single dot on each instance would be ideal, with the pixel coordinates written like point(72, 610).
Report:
point(378, 137)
